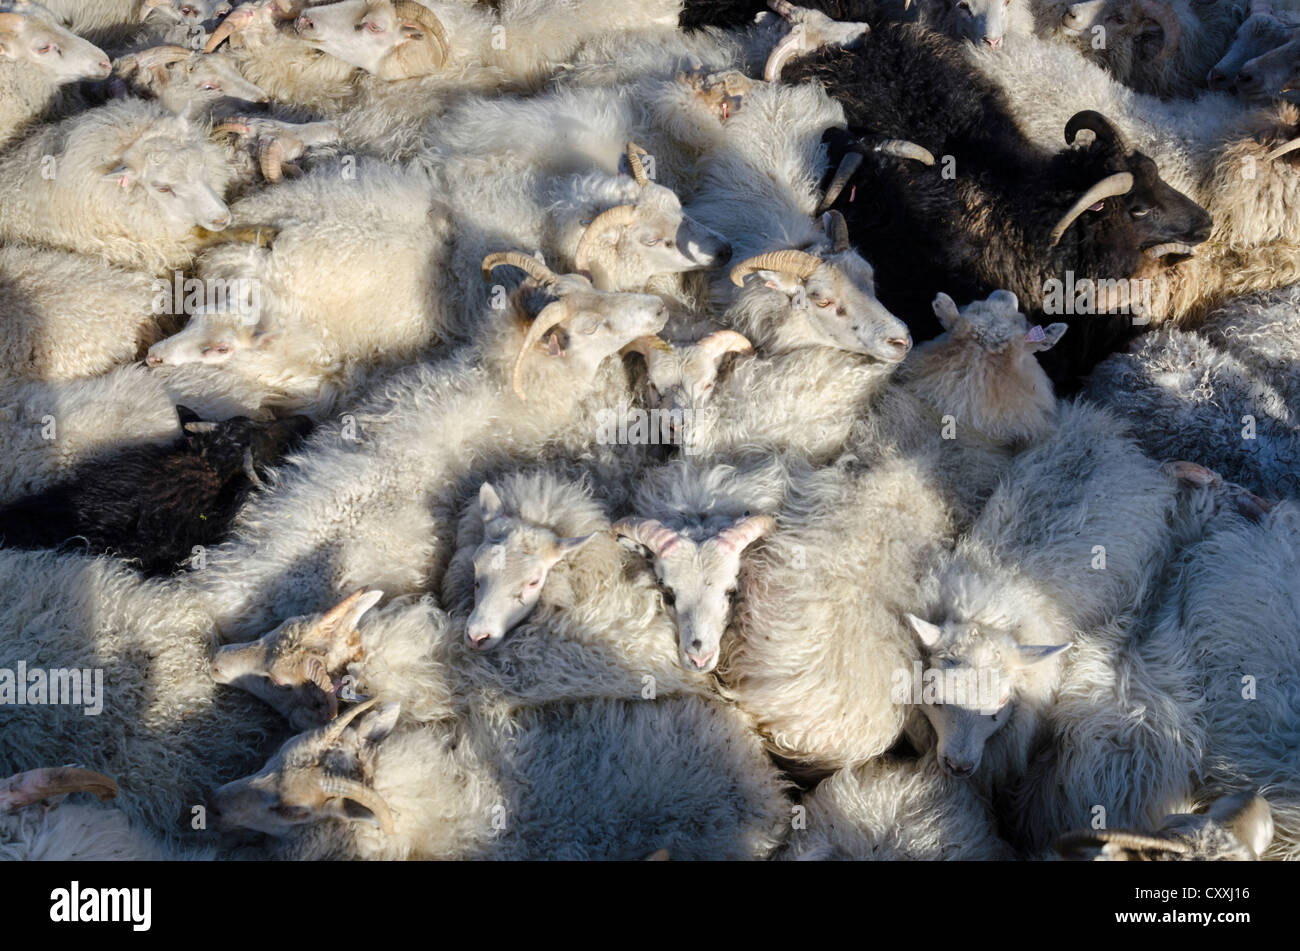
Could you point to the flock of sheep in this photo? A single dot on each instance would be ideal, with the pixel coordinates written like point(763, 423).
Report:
point(583, 429)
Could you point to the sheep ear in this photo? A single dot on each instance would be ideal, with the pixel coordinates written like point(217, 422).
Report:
point(567, 546)
point(1039, 339)
point(945, 308)
point(489, 503)
point(1006, 299)
point(121, 176)
point(1036, 654)
point(1248, 817)
point(786, 283)
point(928, 634)
point(186, 415)
point(378, 723)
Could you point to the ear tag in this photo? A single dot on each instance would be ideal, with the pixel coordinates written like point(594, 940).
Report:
point(1097, 207)
point(553, 346)
point(1036, 335)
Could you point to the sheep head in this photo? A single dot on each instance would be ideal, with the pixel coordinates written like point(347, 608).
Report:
point(215, 335)
point(983, 370)
point(810, 30)
point(571, 321)
point(830, 298)
point(983, 22)
point(301, 658)
point(697, 577)
point(30, 39)
point(720, 94)
point(1136, 211)
point(391, 39)
point(181, 78)
point(1136, 31)
point(167, 170)
point(1237, 828)
point(1272, 73)
point(1261, 32)
point(980, 667)
point(510, 569)
point(647, 234)
point(326, 773)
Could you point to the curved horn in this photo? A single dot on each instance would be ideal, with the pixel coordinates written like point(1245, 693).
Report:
point(1099, 125)
point(552, 315)
point(799, 263)
point(611, 218)
point(719, 342)
point(1158, 251)
point(409, 11)
point(634, 153)
point(525, 262)
point(334, 729)
point(1164, 14)
point(337, 787)
point(225, 29)
point(1074, 842)
point(780, 55)
point(36, 785)
point(1283, 149)
point(848, 167)
point(1118, 184)
point(647, 345)
point(270, 160)
point(901, 148)
point(650, 532)
point(837, 229)
point(340, 610)
point(740, 535)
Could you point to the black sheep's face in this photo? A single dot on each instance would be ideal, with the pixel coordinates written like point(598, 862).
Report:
point(1159, 213)
point(241, 438)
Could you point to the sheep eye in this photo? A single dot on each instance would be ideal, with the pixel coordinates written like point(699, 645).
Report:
point(373, 27)
point(535, 582)
point(650, 242)
point(669, 598)
point(1140, 212)
point(210, 86)
point(823, 303)
point(164, 189)
point(45, 49)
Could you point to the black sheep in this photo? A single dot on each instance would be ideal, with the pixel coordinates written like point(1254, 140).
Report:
point(153, 504)
point(987, 214)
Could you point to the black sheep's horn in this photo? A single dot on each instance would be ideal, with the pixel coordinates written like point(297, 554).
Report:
point(1099, 125)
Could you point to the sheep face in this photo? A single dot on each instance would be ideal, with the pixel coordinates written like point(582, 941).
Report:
point(182, 81)
point(242, 442)
point(1237, 828)
point(697, 579)
point(36, 42)
point(386, 39)
point(979, 21)
point(300, 658)
point(1159, 213)
point(171, 178)
point(211, 337)
point(1260, 33)
point(623, 247)
point(832, 303)
point(321, 774)
point(510, 569)
point(981, 666)
point(581, 326)
point(1272, 73)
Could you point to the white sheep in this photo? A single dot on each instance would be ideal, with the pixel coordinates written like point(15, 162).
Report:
point(895, 809)
point(127, 182)
point(677, 774)
point(38, 57)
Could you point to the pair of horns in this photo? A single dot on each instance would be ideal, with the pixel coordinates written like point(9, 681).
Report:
point(342, 788)
point(712, 345)
point(801, 264)
point(1119, 183)
point(661, 539)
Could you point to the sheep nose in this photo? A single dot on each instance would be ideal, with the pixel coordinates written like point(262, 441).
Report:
point(105, 67)
point(1245, 80)
point(154, 360)
point(696, 644)
point(901, 344)
point(960, 770)
point(219, 223)
point(993, 41)
point(477, 641)
point(303, 23)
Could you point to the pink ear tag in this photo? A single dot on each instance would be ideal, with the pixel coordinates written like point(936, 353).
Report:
point(1097, 207)
point(1036, 334)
